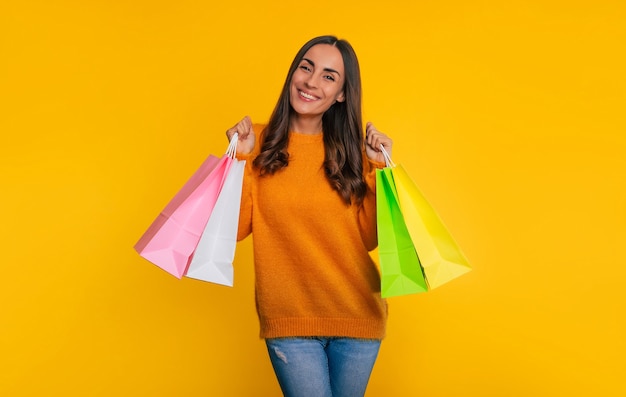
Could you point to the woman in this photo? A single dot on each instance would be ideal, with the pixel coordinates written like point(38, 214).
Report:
point(309, 198)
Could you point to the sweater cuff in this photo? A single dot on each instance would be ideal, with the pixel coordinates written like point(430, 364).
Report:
point(376, 164)
point(243, 156)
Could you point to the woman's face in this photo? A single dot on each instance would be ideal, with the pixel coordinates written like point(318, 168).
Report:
point(318, 81)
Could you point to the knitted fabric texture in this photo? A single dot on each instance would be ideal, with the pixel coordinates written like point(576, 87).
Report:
point(314, 273)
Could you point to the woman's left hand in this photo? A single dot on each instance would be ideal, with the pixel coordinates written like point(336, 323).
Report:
point(373, 140)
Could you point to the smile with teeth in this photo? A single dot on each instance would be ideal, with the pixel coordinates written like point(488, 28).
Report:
point(307, 96)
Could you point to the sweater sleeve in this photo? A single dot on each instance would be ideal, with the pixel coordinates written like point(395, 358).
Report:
point(367, 210)
point(245, 210)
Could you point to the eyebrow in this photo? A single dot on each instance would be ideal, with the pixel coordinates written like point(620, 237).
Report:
point(325, 69)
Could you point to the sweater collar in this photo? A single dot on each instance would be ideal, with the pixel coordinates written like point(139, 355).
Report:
point(300, 137)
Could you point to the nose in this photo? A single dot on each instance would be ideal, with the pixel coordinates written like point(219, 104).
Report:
point(311, 80)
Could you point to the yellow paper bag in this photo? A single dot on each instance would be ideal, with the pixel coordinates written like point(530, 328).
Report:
point(440, 256)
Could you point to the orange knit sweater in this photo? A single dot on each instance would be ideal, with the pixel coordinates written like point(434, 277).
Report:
point(314, 274)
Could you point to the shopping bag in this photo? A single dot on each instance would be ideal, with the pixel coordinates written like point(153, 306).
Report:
point(213, 258)
point(401, 273)
point(173, 236)
point(439, 254)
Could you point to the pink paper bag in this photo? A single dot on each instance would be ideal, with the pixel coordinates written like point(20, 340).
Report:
point(172, 238)
point(213, 258)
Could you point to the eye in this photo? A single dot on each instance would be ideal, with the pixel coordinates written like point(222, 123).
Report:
point(329, 77)
point(305, 67)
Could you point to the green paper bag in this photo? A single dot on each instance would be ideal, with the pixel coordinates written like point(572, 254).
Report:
point(401, 273)
point(440, 256)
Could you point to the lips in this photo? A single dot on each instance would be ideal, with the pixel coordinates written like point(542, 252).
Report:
point(307, 96)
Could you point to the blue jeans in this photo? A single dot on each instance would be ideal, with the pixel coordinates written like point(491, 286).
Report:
point(323, 367)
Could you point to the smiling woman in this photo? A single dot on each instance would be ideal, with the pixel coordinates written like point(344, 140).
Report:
point(509, 114)
point(316, 85)
point(309, 197)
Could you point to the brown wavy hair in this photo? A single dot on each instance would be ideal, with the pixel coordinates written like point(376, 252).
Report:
point(342, 127)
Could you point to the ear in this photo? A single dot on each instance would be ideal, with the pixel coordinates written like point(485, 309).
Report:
point(341, 97)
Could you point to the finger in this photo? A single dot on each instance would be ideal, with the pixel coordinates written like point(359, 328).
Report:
point(242, 128)
point(381, 139)
point(372, 134)
point(374, 139)
point(230, 132)
point(368, 129)
point(376, 142)
point(387, 144)
point(245, 127)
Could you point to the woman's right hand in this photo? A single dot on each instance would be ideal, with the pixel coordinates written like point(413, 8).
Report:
point(247, 138)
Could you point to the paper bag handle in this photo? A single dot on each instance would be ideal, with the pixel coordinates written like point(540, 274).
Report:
point(388, 161)
point(232, 146)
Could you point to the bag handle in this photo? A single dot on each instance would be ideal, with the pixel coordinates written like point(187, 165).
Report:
point(232, 146)
point(388, 161)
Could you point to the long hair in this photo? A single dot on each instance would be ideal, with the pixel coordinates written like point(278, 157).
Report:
point(341, 124)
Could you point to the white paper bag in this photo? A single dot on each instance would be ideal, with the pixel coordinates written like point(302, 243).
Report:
point(213, 258)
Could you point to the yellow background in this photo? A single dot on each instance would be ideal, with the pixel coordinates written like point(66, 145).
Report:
point(509, 115)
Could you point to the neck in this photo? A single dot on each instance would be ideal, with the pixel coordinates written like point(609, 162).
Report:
point(306, 125)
